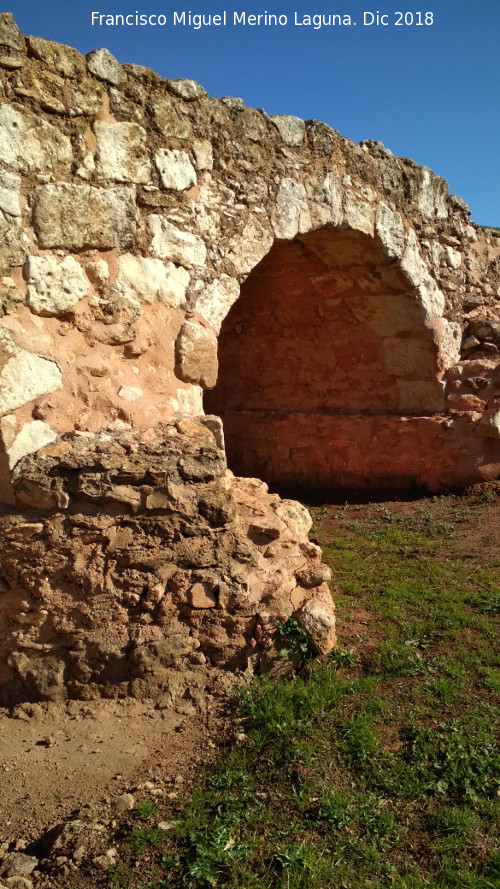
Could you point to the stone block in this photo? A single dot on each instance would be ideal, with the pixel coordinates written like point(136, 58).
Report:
point(247, 249)
point(489, 425)
point(391, 231)
point(23, 376)
point(11, 43)
point(30, 144)
point(167, 120)
point(10, 216)
point(216, 299)
point(325, 196)
point(416, 272)
point(33, 435)
point(291, 129)
point(431, 194)
point(453, 258)
point(105, 67)
point(175, 169)
point(122, 152)
point(196, 355)
point(143, 280)
point(186, 89)
point(410, 357)
point(10, 189)
point(63, 59)
point(130, 393)
point(203, 154)
point(420, 396)
point(290, 205)
point(359, 213)
point(81, 216)
point(169, 242)
point(317, 616)
point(55, 284)
point(387, 314)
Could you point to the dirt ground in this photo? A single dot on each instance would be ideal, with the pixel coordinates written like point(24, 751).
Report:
point(57, 758)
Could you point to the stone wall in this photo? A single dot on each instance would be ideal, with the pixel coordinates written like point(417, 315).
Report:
point(132, 209)
point(149, 233)
point(137, 565)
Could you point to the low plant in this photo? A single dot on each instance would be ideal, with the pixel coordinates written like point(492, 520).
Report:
point(293, 640)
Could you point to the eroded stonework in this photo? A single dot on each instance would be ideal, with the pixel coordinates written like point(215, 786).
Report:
point(135, 557)
point(165, 253)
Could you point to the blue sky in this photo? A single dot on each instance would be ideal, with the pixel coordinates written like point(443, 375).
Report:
point(429, 92)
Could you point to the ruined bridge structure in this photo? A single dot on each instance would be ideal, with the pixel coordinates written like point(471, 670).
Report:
point(171, 261)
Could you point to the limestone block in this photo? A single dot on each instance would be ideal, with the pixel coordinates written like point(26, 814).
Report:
point(10, 213)
point(142, 280)
point(253, 124)
point(453, 258)
point(290, 205)
point(448, 338)
point(26, 377)
point(431, 195)
point(317, 616)
point(11, 42)
point(55, 284)
point(175, 169)
point(23, 376)
point(188, 401)
point(186, 89)
point(10, 187)
point(104, 66)
point(33, 435)
point(216, 299)
point(122, 152)
point(130, 393)
point(97, 272)
point(390, 229)
point(295, 516)
point(410, 357)
point(168, 121)
point(169, 242)
point(249, 247)
point(465, 402)
point(489, 425)
point(325, 195)
point(29, 144)
point(64, 59)
point(387, 314)
point(291, 129)
point(359, 213)
point(81, 216)
point(196, 355)
point(203, 154)
point(416, 272)
point(42, 675)
point(313, 575)
point(420, 396)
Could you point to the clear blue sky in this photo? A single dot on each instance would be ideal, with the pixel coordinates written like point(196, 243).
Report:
point(431, 93)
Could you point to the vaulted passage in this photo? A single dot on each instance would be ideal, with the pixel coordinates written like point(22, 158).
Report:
point(320, 358)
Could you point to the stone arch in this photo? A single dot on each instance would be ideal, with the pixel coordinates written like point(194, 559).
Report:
point(337, 336)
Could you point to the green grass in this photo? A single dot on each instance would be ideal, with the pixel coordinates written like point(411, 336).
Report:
point(377, 769)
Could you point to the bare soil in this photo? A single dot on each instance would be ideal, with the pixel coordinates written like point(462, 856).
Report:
point(58, 758)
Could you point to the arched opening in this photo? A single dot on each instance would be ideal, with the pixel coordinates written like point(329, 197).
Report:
point(326, 347)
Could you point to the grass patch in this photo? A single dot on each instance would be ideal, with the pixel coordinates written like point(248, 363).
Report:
point(378, 769)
